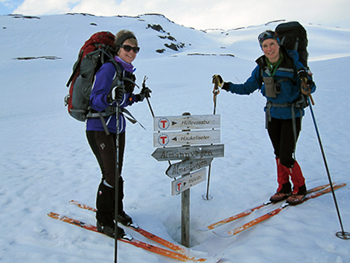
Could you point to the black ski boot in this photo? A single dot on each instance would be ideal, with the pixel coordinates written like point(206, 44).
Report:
point(110, 231)
point(126, 220)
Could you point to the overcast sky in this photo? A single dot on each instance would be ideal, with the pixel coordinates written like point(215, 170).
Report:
point(200, 14)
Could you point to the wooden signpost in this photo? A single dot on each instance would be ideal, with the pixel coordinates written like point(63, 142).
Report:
point(195, 149)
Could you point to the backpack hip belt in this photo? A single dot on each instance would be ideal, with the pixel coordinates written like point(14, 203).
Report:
point(110, 110)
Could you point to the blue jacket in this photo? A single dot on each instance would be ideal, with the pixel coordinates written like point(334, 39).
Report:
point(286, 75)
point(98, 99)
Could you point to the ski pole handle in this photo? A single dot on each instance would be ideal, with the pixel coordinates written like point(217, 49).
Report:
point(306, 90)
point(216, 89)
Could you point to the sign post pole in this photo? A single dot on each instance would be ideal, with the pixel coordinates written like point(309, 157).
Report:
point(185, 211)
point(185, 218)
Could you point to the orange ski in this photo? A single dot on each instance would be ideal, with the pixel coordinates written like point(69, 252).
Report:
point(249, 211)
point(135, 242)
point(143, 232)
point(276, 211)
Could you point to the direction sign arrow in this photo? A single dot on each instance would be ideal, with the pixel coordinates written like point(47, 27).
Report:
point(187, 166)
point(189, 152)
point(188, 181)
point(186, 138)
point(186, 122)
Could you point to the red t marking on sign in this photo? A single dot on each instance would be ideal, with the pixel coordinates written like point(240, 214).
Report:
point(163, 138)
point(163, 123)
point(179, 186)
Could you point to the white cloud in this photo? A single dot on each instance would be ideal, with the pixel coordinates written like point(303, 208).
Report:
point(103, 8)
point(44, 7)
point(10, 4)
point(204, 14)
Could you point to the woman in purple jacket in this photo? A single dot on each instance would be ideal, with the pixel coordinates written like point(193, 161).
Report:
point(113, 84)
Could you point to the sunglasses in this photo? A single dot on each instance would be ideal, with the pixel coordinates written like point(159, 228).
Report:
point(128, 48)
point(267, 34)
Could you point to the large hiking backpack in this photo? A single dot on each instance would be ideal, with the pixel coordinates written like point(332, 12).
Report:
point(293, 36)
point(99, 48)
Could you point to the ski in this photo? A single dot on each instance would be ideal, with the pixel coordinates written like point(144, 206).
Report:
point(141, 231)
point(274, 212)
point(146, 246)
point(249, 211)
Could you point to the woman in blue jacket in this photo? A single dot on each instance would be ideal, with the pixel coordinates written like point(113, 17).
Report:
point(278, 76)
point(112, 84)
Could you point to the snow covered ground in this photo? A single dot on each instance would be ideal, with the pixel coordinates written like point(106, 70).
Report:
point(46, 161)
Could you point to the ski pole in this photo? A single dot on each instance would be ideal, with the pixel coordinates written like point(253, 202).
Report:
point(341, 234)
point(216, 91)
point(116, 186)
point(207, 197)
point(150, 107)
point(149, 103)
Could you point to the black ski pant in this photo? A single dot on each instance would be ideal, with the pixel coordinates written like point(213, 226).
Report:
point(104, 148)
point(283, 140)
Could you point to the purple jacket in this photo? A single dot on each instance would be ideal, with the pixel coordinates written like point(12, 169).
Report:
point(98, 99)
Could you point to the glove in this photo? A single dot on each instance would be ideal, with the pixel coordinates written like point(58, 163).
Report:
point(226, 86)
point(219, 79)
point(116, 94)
point(304, 77)
point(302, 74)
point(145, 93)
